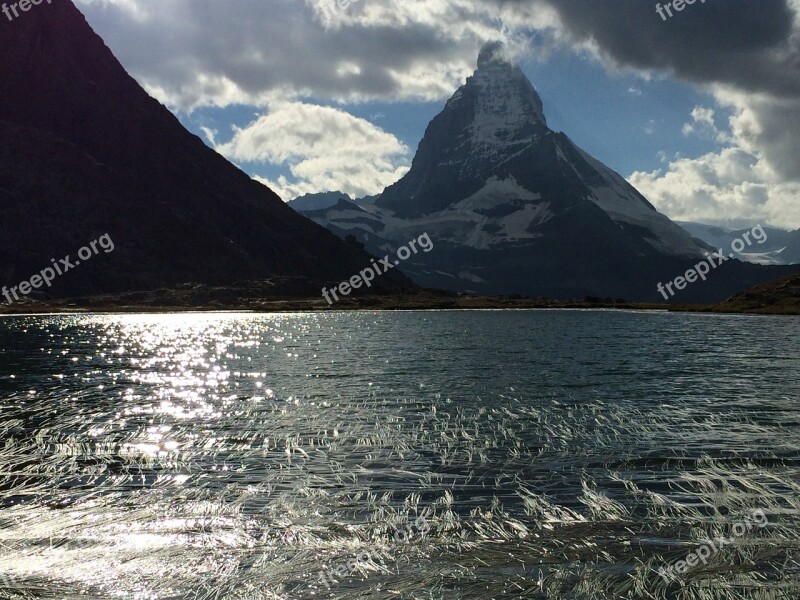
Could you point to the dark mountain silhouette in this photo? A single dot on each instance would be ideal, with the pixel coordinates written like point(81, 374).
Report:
point(317, 201)
point(85, 151)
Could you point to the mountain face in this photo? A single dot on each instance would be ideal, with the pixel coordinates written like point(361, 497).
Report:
point(317, 201)
point(516, 208)
point(84, 151)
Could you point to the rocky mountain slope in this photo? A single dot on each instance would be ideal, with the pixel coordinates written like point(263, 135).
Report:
point(772, 298)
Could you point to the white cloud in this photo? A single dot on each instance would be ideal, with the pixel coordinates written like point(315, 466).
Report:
point(703, 125)
point(752, 179)
point(732, 187)
point(211, 134)
point(325, 149)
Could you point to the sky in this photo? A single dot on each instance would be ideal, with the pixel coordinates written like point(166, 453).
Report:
point(700, 111)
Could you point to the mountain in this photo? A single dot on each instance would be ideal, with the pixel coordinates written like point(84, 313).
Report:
point(780, 247)
point(323, 200)
point(84, 152)
point(514, 207)
point(318, 201)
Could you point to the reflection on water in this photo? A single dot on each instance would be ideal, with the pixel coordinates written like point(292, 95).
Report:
point(549, 454)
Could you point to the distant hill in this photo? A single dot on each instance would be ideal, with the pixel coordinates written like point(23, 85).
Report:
point(776, 297)
point(84, 151)
point(323, 200)
point(317, 201)
point(780, 248)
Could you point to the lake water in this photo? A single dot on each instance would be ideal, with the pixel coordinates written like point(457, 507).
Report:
point(469, 455)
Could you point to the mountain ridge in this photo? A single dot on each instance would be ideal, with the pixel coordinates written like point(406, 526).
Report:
point(102, 156)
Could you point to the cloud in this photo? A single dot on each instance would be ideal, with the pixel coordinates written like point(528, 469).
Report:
point(731, 188)
point(211, 135)
point(325, 149)
point(703, 125)
point(191, 53)
point(750, 46)
point(748, 181)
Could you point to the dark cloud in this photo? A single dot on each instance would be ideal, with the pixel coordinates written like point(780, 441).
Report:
point(750, 45)
point(751, 49)
point(263, 45)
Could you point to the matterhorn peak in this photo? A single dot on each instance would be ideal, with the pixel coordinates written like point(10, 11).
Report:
point(493, 53)
point(503, 90)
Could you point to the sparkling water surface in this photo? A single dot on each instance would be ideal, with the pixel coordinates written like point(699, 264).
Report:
point(448, 454)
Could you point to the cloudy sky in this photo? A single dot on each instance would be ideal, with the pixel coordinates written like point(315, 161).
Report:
point(701, 112)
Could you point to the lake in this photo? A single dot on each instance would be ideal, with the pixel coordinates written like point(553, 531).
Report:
point(449, 454)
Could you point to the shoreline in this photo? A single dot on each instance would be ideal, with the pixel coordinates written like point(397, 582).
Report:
point(375, 303)
point(779, 297)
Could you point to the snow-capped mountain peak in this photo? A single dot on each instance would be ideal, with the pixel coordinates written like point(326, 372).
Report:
point(507, 112)
point(497, 75)
point(515, 207)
